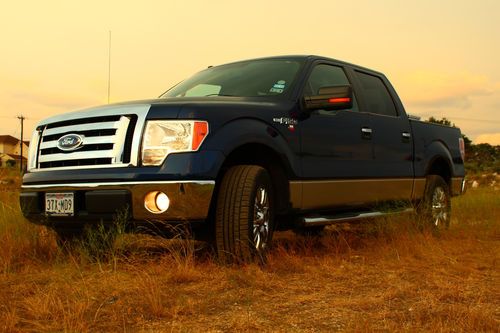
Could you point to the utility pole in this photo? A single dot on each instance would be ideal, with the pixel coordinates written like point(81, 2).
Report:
point(21, 117)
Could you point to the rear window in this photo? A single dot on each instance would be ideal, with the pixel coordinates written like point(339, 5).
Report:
point(376, 96)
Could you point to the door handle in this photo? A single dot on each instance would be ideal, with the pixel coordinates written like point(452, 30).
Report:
point(406, 136)
point(366, 133)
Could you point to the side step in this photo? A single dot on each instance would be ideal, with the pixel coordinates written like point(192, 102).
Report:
point(348, 217)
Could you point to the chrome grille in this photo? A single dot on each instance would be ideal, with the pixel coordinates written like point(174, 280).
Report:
point(104, 142)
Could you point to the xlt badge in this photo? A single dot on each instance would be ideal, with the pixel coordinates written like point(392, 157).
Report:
point(290, 122)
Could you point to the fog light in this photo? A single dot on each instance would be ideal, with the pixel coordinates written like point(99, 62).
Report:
point(156, 202)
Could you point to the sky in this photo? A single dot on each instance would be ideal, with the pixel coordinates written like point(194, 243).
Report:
point(442, 56)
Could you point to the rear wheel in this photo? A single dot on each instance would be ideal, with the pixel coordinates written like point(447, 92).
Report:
point(244, 218)
point(435, 208)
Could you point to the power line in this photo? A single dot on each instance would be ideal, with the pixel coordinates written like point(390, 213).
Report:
point(26, 118)
point(478, 120)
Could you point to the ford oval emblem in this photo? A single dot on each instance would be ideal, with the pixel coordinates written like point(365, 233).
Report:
point(70, 142)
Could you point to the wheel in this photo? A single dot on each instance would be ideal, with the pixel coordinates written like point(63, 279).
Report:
point(244, 217)
point(435, 208)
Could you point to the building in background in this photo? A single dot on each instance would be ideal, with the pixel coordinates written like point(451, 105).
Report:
point(10, 151)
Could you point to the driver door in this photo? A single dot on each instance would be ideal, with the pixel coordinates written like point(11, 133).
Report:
point(336, 148)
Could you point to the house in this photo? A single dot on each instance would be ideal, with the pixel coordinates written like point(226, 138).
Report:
point(10, 151)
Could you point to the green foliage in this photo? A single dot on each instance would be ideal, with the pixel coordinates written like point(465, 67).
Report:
point(442, 121)
point(479, 158)
point(467, 141)
point(482, 158)
point(96, 243)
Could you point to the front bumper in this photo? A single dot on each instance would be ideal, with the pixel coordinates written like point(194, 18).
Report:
point(189, 200)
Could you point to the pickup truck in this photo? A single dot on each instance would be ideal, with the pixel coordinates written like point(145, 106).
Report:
point(240, 150)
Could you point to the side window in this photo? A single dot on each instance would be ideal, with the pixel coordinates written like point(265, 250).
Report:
point(326, 76)
point(377, 97)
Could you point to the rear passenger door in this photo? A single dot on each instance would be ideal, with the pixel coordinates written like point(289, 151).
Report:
point(391, 133)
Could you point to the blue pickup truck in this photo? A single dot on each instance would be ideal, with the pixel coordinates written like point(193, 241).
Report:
point(240, 150)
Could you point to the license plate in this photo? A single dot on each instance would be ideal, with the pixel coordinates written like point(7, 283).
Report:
point(59, 204)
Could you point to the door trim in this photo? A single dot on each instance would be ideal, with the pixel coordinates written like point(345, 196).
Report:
point(318, 194)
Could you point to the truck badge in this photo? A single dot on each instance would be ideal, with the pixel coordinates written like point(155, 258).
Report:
point(286, 121)
point(70, 142)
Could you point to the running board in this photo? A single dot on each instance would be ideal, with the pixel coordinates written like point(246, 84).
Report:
point(331, 219)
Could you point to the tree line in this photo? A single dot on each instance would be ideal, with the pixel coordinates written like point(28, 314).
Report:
point(479, 158)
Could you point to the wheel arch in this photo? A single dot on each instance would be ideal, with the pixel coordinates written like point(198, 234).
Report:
point(440, 162)
point(262, 155)
point(441, 167)
point(253, 141)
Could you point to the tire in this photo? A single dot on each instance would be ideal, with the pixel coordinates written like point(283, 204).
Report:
point(435, 208)
point(244, 217)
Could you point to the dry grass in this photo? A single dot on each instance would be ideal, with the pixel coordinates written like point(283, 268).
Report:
point(384, 275)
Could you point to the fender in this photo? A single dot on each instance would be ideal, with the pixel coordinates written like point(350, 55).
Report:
point(239, 132)
point(436, 150)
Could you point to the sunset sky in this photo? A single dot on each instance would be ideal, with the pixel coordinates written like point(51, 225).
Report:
point(442, 56)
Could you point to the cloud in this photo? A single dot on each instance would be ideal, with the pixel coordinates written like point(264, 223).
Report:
point(491, 138)
point(36, 99)
point(55, 100)
point(434, 90)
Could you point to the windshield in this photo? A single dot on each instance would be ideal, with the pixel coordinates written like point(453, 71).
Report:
point(267, 77)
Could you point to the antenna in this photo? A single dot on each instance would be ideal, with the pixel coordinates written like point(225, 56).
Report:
point(109, 66)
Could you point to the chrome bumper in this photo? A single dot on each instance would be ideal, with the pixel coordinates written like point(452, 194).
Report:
point(189, 200)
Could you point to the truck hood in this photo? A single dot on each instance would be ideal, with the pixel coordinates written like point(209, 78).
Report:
point(220, 107)
point(185, 107)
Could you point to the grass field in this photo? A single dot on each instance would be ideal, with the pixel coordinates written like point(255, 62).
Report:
point(384, 275)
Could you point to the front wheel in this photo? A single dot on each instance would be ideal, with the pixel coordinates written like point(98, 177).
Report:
point(435, 208)
point(244, 218)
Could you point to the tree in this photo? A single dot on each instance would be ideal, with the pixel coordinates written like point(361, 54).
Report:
point(467, 141)
point(442, 121)
point(447, 122)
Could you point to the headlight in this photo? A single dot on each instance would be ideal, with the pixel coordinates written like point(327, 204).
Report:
point(163, 137)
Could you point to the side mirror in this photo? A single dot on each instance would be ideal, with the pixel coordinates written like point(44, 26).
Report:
point(330, 98)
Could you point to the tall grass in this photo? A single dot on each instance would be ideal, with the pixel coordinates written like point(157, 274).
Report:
point(381, 275)
point(22, 245)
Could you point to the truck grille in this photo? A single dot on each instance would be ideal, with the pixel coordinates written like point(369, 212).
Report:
point(106, 140)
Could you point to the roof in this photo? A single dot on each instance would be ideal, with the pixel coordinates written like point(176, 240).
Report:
point(12, 156)
point(12, 140)
point(8, 139)
point(310, 57)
